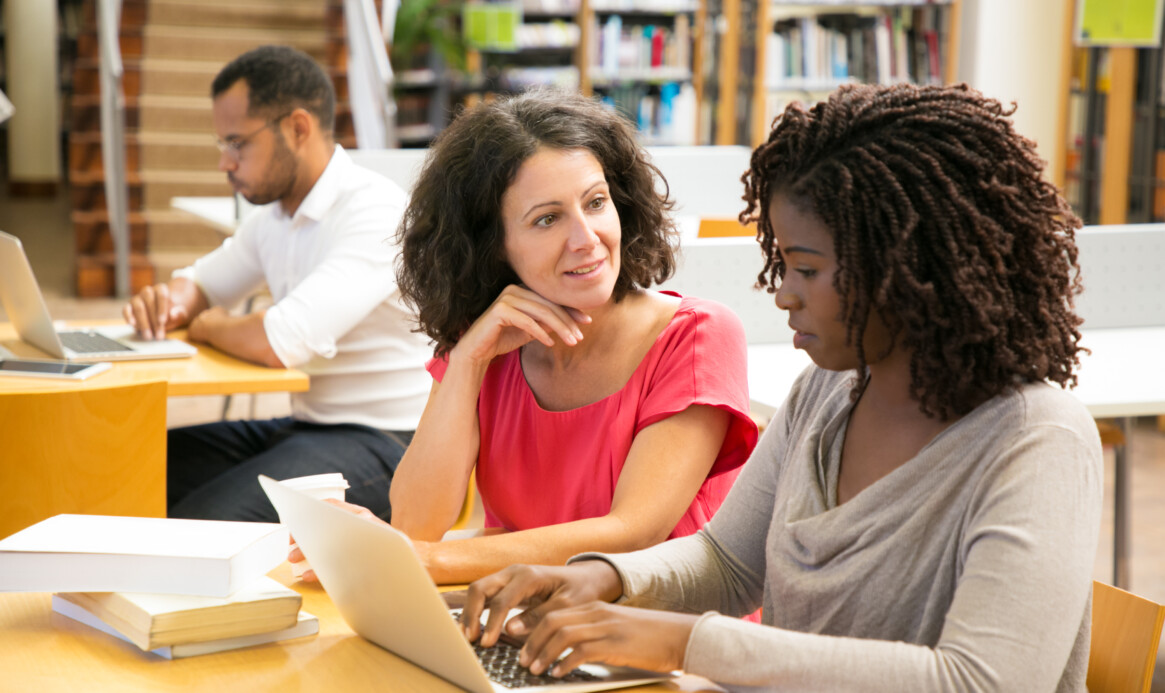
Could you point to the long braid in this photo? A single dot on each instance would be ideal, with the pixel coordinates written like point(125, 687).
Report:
point(943, 227)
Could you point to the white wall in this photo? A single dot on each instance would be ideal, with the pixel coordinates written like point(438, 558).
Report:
point(34, 145)
point(1011, 50)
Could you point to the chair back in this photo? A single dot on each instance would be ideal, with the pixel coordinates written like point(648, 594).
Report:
point(1126, 630)
point(467, 506)
point(88, 450)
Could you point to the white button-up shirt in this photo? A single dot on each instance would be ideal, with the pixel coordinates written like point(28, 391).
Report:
point(337, 313)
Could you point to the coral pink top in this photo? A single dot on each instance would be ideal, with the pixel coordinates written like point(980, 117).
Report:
point(538, 467)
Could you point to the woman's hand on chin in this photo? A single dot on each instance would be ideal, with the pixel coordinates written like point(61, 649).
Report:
point(518, 316)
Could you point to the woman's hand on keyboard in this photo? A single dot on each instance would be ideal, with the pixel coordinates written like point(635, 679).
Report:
point(538, 589)
point(609, 634)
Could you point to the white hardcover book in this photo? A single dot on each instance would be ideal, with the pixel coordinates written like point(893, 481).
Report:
point(305, 625)
point(102, 553)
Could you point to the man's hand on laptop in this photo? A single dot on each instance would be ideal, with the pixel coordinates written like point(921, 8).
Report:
point(161, 307)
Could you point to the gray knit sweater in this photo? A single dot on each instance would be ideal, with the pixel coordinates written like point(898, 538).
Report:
point(968, 568)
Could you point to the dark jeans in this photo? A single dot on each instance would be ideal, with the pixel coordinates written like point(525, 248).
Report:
point(213, 469)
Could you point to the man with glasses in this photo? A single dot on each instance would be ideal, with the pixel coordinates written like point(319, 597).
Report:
point(320, 243)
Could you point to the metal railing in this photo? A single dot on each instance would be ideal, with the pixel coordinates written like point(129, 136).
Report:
point(370, 75)
point(113, 138)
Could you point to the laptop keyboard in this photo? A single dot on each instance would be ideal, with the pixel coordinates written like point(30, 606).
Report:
point(501, 665)
point(90, 342)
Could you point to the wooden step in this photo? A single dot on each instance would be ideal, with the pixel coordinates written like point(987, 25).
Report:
point(246, 14)
point(175, 113)
point(90, 194)
point(87, 77)
point(172, 230)
point(91, 232)
point(150, 150)
point(224, 44)
point(257, 3)
point(166, 261)
point(160, 186)
point(96, 276)
point(193, 151)
point(192, 114)
point(130, 41)
point(85, 112)
point(165, 77)
point(85, 153)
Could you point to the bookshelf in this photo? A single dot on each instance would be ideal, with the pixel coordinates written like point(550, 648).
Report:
point(641, 56)
point(805, 50)
point(539, 50)
point(636, 55)
point(1113, 132)
point(422, 94)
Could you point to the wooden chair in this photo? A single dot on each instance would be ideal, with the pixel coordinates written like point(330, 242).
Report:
point(1126, 630)
point(722, 228)
point(88, 450)
point(466, 513)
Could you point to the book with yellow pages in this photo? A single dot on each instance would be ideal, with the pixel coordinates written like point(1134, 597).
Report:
point(157, 620)
point(306, 624)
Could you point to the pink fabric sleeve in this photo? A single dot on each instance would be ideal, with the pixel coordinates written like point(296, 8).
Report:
point(437, 367)
point(708, 366)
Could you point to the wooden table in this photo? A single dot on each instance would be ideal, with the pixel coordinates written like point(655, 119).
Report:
point(209, 372)
point(96, 478)
point(46, 652)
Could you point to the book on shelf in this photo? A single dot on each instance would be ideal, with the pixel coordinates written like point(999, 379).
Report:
point(151, 621)
point(821, 51)
point(103, 553)
point(623, 48)
point(305, 624)
point(663, 114)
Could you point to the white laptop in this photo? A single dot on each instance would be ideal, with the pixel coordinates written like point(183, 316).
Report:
point(384, 593)
point(26, 308)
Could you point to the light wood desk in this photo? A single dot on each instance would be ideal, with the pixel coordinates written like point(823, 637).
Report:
point(209, 372)
point(44, 651)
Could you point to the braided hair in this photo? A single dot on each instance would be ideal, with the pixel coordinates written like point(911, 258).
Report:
point(942, 226)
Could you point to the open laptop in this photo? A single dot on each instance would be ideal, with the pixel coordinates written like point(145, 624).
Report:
point(26, 308)
point(384, 593)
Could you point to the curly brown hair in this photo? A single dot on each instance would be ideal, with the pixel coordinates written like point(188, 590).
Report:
point(942, 225)
point(452, 263)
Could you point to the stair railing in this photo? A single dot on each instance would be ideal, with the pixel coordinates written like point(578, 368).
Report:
point(113, 138)
point(370, 75)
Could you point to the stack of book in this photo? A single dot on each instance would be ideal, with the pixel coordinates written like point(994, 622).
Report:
point(173, 587)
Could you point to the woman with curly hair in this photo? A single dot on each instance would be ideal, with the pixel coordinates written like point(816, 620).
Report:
point(598, 415)
point(922, 513)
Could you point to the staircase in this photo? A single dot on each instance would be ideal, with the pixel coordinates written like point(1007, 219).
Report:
point(172, 49)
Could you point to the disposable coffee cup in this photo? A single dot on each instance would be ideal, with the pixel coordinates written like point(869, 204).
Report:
point(323, 487)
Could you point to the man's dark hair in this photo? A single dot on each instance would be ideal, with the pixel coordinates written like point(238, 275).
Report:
point(452, 263)
point(280, 79)
point(943, 227)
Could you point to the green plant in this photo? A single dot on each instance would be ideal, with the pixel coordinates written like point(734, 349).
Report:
point(431, 22)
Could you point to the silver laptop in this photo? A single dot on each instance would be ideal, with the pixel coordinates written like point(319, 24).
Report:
point(26, 309)
point(384, 593)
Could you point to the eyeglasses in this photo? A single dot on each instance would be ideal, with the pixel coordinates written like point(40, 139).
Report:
point(234, 148)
